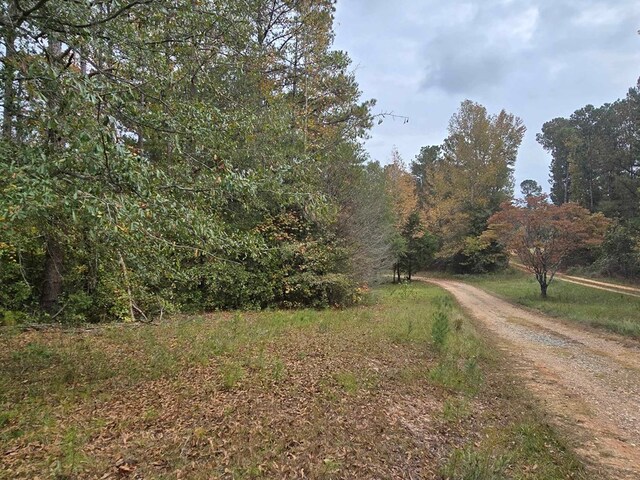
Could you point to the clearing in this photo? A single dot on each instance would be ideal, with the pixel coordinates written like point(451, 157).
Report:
point(589, 380)
point(367, 392)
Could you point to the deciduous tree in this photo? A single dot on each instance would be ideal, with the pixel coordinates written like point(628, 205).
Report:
point(419, 246)
point(400, 187)
point(543, 235)
point(471, 176)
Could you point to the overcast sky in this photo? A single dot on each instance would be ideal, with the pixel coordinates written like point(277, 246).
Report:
point(538, 59)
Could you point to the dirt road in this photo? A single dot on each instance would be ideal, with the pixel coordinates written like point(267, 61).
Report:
point(589, 382)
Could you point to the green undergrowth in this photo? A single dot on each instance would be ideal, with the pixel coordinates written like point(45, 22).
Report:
point(411, 342)
point(611, 311)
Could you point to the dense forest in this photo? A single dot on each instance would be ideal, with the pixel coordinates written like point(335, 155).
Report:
point(178, 155)
point(184, 156)
point(596, 163)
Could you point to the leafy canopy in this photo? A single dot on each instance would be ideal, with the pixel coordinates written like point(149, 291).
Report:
point(543, 235)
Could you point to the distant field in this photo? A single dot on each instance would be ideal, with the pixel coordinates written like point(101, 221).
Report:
point(369, 392)
point(612, 311)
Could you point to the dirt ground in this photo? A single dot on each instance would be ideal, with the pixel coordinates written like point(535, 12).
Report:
point(589, 381)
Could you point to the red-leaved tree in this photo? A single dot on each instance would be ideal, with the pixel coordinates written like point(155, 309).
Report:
point(543, 235)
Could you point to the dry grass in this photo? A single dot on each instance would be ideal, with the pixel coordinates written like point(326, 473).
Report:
point(358, 393)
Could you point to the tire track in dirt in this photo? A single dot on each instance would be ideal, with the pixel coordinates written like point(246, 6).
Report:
point(589, 382)
point(587, 282)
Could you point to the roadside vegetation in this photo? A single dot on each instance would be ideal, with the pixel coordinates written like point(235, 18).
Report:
point(611, 311)
point(222, 171)
point(403, 386)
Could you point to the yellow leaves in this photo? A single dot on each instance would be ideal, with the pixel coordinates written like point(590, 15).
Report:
point(8, 252)
point(488, 236)
point(401, 190)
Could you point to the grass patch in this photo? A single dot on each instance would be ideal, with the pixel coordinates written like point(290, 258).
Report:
point(456, 409)
point(232, 374)
point(525, 448)
point(348, 381)
point(612, 311)
point(472, 464)
point(276, 394)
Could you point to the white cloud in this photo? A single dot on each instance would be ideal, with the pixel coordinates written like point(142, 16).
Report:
point(519, 27)
point(599, 15)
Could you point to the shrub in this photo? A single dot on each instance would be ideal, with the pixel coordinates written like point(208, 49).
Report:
point(479, 256)
point(440, 327)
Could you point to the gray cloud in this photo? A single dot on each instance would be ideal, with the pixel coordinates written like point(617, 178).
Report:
point(467, 72)
point(478, 51)
point(536, 58)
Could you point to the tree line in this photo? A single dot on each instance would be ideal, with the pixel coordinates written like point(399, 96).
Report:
point(596, 164)
point(445, 198)
point(174, 155)
point(457, 208)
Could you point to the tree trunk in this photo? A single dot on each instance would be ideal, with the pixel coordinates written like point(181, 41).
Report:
point(127, 285)
point(9, 109)
point(543, 289)
point(396, 273)
point(52, 281)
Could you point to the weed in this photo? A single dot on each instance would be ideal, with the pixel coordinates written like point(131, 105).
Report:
point(448, 374)
point(323, 326)
point(151, 414)
point(5, 417)
point(470, 464)
point(278, 370)
point(34, 356)
point(455, 409)
point(232, 374)
point(330, 466)
point(472, 372)
point(409, 328)
point(71, 457)
point(348, 381)
point(440, 328)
